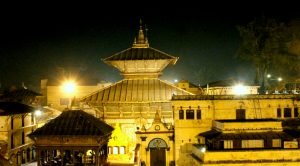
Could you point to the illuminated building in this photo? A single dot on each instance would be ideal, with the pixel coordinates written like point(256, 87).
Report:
point(17, 120)
point(228, 87)
point(74, 137)
point(157, 122)
point(133, 102)
point(237, 129)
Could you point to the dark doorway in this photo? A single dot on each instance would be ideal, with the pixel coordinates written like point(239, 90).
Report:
point(158, 156)
point(240, 114)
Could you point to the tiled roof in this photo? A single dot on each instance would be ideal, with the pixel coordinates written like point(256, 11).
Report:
point(11, 108)
point(140, 54)
point(136, 90)
point(74, 123)
point(20, 95)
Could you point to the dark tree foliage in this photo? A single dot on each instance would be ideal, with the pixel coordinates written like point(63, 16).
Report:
point(266, 44)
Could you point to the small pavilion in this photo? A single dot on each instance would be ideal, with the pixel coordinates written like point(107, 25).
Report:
point(73, 138)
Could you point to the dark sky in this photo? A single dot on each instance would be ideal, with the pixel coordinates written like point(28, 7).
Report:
point(37, 45)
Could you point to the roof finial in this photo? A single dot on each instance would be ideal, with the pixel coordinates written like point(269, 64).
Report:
point(146, 34)
point(141, 24)
point(141, 41)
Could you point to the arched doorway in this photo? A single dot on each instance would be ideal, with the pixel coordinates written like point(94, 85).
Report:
point(157, 148)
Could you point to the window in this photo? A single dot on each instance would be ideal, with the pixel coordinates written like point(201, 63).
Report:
point(122, 149)
point(228, 144)
point(109, 150)
point(23, 120)
point(287, 112)
point(240, 114)
point(278, 112)
point(198, 114)
point(12, 123)
point(252, 143)
point(276, 143)
point(181, 114)
point(23, 138)
point(64, 101)
point(116, 150)
point(190, 114)
point(32, 118)
point(12, 141)
point(296, 113)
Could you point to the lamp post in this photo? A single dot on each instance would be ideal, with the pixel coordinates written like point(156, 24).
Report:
point(69, 89)
point(270, 78)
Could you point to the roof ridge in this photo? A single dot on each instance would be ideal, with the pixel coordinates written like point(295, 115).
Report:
point(84, 97)
point(105, 59)
point(166, 82)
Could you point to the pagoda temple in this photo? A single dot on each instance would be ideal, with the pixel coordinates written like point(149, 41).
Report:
point(133, 102)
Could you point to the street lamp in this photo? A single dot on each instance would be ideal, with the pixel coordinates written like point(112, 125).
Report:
point(270, 78)
point(239, 89)
point(69, 89)
point(37, 113)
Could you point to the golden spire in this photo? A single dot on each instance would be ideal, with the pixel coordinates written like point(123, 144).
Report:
point(141, 41)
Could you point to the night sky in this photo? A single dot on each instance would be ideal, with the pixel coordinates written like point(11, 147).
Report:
point(38, 46)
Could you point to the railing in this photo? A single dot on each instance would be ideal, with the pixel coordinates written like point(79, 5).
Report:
point(235, 97)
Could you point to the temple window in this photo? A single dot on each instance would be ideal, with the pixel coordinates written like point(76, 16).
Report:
point(287, 112)
point(276, 143)
point(122, 149)
point(278, 112)
point(115, 150)
point(109, 150)
point(228, 144)
point(252, 143)
point(296, 113)
point(181, 114)
point(198, 114)
point(190, 114)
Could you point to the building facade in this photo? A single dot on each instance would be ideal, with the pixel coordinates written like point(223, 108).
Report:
point(235, 129)
point(17, 120)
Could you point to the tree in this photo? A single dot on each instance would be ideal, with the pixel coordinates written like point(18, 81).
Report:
point(265, 43)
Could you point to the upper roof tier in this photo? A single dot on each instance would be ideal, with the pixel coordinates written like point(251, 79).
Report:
point(140, 60)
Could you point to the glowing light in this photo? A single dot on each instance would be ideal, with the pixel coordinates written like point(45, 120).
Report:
point(38, 113)
point(203, 150)
point(269, 76)
point(175, 80)
point(279, 79)
point(69, 87)
point(239, 89)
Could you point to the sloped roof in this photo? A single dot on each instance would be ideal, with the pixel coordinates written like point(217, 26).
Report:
point(139, 54)
point(20, 95)
point(136, 90)
point(74, 123)
point(224, 83)
point(12, 108)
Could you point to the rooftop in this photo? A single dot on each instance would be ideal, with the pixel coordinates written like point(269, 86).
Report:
point(74, 123)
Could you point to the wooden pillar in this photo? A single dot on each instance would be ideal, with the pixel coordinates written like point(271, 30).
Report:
point(38, 157)
point(73, 156)
point(84, 157)
point(97, 157)
point(62, 156)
